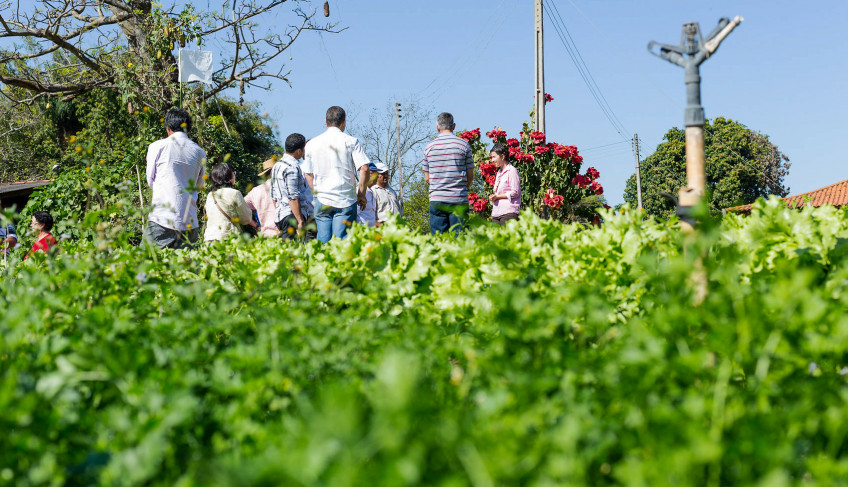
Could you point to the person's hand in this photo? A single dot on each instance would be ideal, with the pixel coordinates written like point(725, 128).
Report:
point(362, 200)
point(300, 224)
point(493, 197)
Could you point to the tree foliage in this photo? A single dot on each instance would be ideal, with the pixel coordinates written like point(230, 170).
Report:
point(67, 48)
point(741, 166)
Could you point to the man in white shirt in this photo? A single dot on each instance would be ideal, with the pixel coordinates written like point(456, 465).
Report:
point(333, 160)
point(174, 173)
point(385, 198)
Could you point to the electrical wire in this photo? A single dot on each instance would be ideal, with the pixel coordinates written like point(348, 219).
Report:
point(577, 59)
point(467, 57)
point(580, 56)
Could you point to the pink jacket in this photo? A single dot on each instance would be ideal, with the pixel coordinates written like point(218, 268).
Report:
point(508, 182)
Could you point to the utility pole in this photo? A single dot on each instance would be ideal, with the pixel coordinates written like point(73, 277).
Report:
point(400, 159)
point(698, 50)
point(638, 175)
point(540, 67)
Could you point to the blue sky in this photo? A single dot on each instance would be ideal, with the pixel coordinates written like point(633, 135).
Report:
point(781, 73)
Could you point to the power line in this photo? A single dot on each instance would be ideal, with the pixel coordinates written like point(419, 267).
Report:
point(468, 57)
point(601, 93)
point(577, 59)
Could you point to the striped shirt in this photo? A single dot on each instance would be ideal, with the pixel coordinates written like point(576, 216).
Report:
point(448, 160)
point(288, 183)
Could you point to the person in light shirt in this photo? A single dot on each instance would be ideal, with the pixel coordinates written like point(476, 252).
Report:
point(506, 194)
point(333, 160)
point(174, 173)
point(259, 200)
point(385, 199)
point(368, 215)
point(226, 210)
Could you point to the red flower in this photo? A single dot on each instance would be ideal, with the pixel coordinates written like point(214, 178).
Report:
point(490, 180)
point(512, 142)
point(537, 137)
point(548, 98)
point(576, 159)
point(596, 187)
point(514, 151)
point(542, 149)
point(593, 173)
point(495, 133)
point(470, 135)
point(488, 169)
point(565, 151)
point(524, 157)
point(477, 203)
point(552, 199)
point(581, 181)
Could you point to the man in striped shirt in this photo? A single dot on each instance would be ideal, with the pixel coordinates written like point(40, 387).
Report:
point(449, 170)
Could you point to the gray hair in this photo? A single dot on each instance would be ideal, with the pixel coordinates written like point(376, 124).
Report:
point(445, 121)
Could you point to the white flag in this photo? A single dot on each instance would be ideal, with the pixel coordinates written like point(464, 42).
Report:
point(195, 66)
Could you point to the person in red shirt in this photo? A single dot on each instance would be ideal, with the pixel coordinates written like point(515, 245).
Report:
point(42, 222)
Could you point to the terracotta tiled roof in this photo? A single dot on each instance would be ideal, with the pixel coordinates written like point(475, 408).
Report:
point(836, 194)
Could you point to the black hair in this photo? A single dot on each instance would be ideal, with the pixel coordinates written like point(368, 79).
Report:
point(178, 120)
point(335, 116)
point(501, 149)
point(295, 142)
point(46, 220)
point(221, 176)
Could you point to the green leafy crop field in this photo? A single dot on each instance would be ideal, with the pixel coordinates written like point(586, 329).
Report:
point(538, 354)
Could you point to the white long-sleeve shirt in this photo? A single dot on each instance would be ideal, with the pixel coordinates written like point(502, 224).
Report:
point(173, 164)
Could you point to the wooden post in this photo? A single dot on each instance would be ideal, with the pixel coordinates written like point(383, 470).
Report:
point(540, 67)
point(638, 172)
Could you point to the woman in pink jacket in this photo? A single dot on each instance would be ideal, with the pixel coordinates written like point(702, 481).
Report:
point(506, 195)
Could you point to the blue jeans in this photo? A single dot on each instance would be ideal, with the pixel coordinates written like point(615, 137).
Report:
point(446, 216)
point(333, 221)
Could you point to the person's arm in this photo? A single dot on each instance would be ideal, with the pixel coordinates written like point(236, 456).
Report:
point(469, 164)
point(514, 185)
point(150, 172)
point(11, 237)
point(245, 216)
point(310, 180)
point(364, 175)
point(295, 208)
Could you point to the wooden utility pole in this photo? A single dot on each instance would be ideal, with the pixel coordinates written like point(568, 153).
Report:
point(400, 159)
point(638, 175)
point(540, 67)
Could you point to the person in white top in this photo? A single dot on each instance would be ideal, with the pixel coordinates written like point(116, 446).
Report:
point(368, 215)
point(226, 210)
point(332, 160)
point(174, 173)
point(385, 198)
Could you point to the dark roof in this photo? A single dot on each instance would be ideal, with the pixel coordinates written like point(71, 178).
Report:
point(836, 194)
point(22, 187)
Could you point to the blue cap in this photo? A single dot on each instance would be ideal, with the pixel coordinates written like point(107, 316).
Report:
point(377, 167)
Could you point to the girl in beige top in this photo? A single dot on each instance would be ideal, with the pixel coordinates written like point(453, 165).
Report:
point(225, 207)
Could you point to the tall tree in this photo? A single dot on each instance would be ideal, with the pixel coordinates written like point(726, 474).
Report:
point(380, 136)
point(741, 165)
